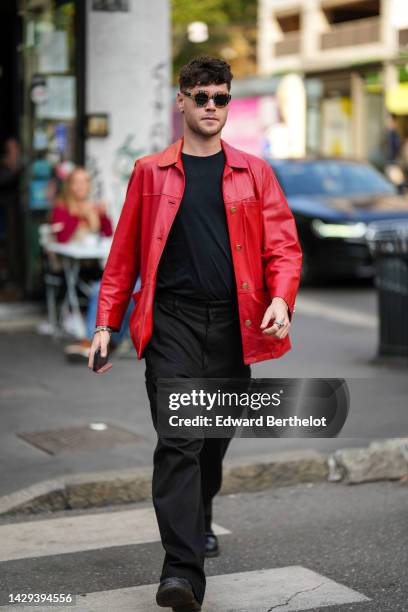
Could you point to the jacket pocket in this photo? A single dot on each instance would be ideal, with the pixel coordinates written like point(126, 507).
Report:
point(134, 319)
point(261, 302)
point(256, 343)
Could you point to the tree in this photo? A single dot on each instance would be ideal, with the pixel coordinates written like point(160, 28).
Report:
point(232, 33)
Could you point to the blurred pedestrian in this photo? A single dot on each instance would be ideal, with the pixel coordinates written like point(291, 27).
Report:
point(11, 167)
point(392, 139)
point(392, 150)
point(403, 163)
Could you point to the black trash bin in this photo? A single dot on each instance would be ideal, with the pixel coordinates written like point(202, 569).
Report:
point(388, 244)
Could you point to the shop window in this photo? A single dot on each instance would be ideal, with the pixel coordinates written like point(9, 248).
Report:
point(49, 122)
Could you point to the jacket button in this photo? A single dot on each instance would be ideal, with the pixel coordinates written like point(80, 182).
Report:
point(233, 209)
point(238, 247)
point(247, 322)
point(244, 285)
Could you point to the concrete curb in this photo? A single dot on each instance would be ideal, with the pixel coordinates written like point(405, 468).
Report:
point(382, 460)
point(26, 324)
point(21, 316)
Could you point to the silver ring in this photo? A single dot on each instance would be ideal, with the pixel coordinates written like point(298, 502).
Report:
point(279, 323)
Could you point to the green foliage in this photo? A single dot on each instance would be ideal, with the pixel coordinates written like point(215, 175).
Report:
point(241, 11)
point(231, 24)
point(186, 11)
point(214, 11)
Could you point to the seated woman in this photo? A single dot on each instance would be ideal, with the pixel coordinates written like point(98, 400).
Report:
point(76, 215)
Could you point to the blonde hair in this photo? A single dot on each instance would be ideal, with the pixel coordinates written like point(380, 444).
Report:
point(64, 195)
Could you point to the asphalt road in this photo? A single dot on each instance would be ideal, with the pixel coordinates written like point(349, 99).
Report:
point(323, 547)
point(334, 334)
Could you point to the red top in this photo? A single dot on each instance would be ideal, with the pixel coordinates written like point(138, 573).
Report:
point(61, 214)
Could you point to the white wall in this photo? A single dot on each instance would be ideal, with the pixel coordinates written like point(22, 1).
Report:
point(128, 77)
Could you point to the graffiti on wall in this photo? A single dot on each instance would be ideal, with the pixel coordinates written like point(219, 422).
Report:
point(117, 169)
point(125, 156)
point(96, 177)
point(158, 128)
point(129, 151)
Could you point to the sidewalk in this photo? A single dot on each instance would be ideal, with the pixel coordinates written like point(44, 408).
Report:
point(41, 392)
point(15, 316)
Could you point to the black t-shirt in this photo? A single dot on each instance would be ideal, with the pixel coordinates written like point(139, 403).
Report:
point(197, 260)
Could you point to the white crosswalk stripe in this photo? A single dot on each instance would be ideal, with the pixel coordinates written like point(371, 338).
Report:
point(79, 533)
point(288, 588)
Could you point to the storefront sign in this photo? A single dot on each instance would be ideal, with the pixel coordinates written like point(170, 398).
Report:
point(53, 51)
point(336, 126)
point(246, 127)
point(61, 137)
point(41, 169)
point(60, 102)
point(97, 125)
point(39, 194)
point(397, 99)
point(40, 139)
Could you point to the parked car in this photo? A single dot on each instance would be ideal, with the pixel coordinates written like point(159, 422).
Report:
point(333, 201)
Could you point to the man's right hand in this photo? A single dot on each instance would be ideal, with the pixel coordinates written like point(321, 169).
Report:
point(101, 339)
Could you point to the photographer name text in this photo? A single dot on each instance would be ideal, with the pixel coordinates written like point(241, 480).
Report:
point(259, 421)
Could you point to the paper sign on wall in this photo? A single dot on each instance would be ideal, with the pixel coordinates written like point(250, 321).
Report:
point(60, 103)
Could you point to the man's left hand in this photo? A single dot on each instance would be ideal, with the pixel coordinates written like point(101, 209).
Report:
point(278, 311)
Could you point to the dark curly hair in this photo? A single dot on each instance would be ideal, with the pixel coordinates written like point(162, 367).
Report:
point(205, 70)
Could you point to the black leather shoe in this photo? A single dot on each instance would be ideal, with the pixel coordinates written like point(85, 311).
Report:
point(212, 548)
point(177, 593)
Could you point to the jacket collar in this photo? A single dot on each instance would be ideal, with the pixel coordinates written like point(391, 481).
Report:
point(234, 158)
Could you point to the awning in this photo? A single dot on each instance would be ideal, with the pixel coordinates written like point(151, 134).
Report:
point(396, 99)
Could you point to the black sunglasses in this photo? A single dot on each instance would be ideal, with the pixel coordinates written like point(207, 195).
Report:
point(202, 97)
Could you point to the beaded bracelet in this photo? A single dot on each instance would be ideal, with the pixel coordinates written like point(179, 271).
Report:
point(103, 328)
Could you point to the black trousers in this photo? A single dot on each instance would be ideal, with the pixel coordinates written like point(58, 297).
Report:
point(193, 340)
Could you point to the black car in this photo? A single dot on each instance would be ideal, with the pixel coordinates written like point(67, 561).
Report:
point(333, 201)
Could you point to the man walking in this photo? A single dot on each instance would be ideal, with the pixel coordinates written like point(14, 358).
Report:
point(212, 236)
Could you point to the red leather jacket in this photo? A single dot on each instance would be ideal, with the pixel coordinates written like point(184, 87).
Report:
point(264, 243)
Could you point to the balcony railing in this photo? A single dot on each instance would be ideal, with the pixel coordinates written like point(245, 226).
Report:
point(290, 45)
point(358, 32)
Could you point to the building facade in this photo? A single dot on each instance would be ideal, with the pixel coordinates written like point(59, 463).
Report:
point(353, 58)
point(94, 90)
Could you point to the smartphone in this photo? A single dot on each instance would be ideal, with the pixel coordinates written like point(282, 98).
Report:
point(99, 361)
